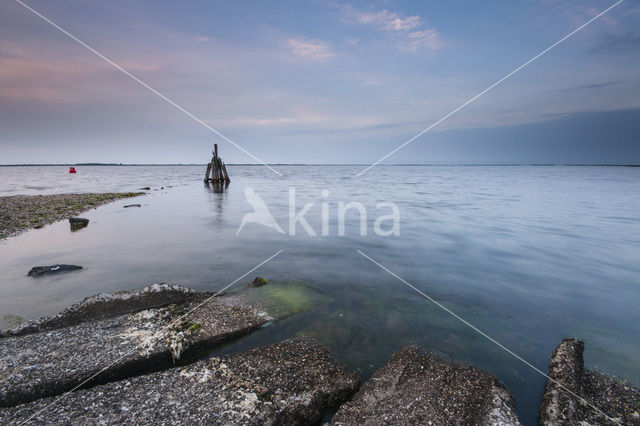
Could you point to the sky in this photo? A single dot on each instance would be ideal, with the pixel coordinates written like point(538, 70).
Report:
point(317, 81)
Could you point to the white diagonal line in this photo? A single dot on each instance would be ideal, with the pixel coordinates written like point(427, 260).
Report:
point(127, 73)
point(166, 328)
point(482, 333)
point(490, 87)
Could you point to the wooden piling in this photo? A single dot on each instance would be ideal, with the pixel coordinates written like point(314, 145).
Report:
point(216, 169)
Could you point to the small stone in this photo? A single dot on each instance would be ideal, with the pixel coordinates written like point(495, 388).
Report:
point(38, 271)
point(132, 205)
point(78, 223)
point(258, 282)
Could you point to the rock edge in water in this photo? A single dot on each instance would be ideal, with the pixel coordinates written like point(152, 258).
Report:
point(118, 336)
point(619, 401)
point(292, 382)
point(106, 305)
point(416, 387)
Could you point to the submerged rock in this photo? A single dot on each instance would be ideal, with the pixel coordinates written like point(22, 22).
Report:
point(145, 188)
point(46, 363)
point(78, 223)
point(132, 205)
point(280, 299)
point(292, 382)
point(258, 282)
point(416, 387)
point(11, 320)
point(38, 271)
point(575, 395)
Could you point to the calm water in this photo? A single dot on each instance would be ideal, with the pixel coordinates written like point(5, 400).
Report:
point(528, 254)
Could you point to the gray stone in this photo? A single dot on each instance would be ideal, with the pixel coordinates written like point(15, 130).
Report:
point(51, 362)
point(292, 382)
point(38, 271)
point(416, 387)
point(575, 395)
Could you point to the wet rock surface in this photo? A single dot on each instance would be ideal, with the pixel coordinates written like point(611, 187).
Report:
point(614, 401)
point(11, 320)
point(108, 305)
point(292, 382)
point(57, 356)
point(78, 223)
point(38, 271)
point(416, 387)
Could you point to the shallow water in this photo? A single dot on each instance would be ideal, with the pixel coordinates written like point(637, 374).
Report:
point(527, 254)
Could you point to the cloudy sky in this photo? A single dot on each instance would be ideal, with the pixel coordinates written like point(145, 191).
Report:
point(319, 81)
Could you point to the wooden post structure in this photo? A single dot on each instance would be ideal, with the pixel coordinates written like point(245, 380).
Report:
point(216, 169)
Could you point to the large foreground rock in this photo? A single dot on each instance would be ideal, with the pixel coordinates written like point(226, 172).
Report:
point(57, 355)
point(614, 402)
point(292, 382)
point(415, 387)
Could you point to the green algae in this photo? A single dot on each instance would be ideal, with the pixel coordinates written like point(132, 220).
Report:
point(283, 299)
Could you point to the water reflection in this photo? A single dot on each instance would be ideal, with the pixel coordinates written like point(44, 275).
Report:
point(217, 192)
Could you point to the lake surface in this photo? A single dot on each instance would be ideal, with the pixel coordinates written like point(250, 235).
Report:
point(529, 255)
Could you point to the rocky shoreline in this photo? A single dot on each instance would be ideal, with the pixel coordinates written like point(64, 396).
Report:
point(136, 357)
point(20, 213)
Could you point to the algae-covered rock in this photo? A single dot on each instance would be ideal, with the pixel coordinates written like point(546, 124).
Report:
point(575, 395)
point(258, 282)
point(416, 387)
point(292, 382)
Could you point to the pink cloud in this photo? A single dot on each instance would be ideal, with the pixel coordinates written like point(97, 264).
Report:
point(387, 20)
point(313, 50)
point(412, 31)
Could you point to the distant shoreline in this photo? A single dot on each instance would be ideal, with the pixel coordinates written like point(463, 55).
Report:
point(24, 212)
point(322, 164)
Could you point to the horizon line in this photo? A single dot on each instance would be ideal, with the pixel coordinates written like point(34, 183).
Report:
point(92, 164)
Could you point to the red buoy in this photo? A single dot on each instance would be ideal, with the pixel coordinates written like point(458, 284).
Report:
point(72, 170)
